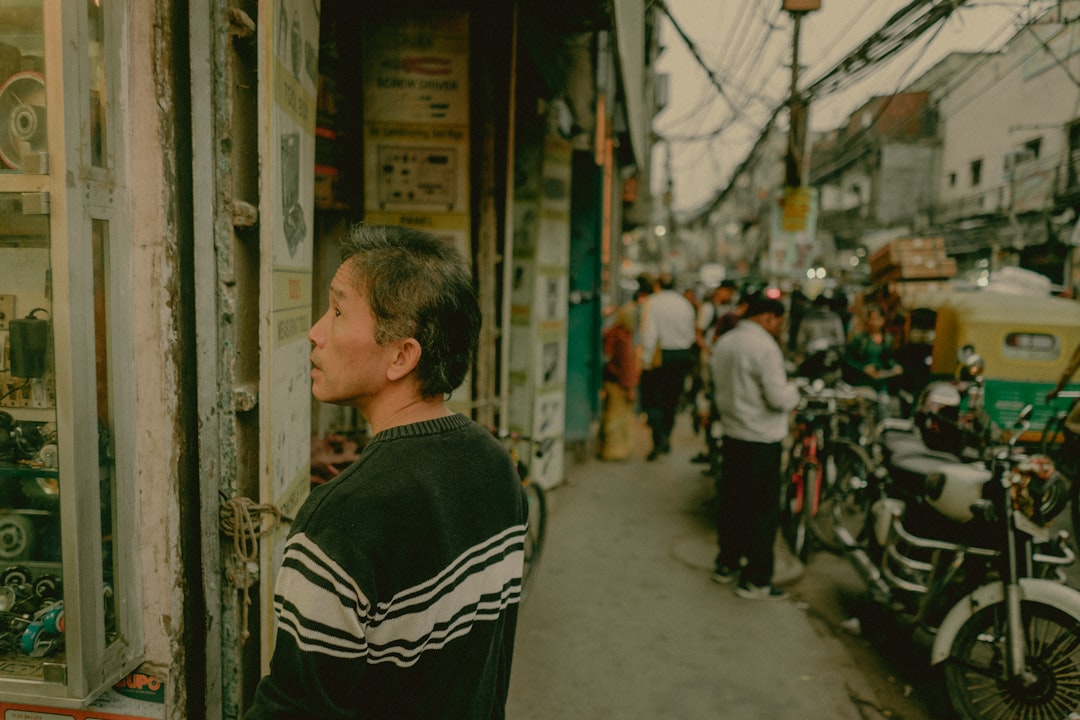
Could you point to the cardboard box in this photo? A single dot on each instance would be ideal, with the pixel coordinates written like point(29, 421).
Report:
point(911, 257)
point(919, 243)
point(918, 267)
point(919, 293)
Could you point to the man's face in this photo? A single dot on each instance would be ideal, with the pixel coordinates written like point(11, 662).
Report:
point(347, 366)
point(772, 323)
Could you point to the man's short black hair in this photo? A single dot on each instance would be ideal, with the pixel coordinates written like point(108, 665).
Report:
point(761, 305)
point(419, 286)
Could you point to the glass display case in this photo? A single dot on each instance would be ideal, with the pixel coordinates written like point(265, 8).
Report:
point(67, 603)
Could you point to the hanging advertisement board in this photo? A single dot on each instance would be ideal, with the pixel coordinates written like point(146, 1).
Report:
point(793, 226)
point(289, 51)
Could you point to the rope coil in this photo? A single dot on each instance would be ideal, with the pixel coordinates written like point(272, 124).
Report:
point(245, 521)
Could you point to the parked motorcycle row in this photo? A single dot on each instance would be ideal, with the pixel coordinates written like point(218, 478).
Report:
point(950, 520)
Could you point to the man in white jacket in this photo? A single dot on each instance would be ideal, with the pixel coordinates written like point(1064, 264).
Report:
point(754, 398)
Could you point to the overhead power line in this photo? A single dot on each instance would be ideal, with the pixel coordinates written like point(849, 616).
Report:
point(715, 81)
point(902, 28)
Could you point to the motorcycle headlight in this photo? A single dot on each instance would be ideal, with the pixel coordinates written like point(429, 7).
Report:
point(1039, 491)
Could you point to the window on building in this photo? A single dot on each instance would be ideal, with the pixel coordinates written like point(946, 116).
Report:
point(952, 179)
point(976, 172)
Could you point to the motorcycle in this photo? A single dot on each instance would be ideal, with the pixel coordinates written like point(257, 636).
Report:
point(962, 548)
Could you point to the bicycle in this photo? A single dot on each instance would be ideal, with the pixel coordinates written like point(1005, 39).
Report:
point(536, 519)
point(817, 457)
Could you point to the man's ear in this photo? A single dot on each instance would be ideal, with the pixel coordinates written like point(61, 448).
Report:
point(405, 359)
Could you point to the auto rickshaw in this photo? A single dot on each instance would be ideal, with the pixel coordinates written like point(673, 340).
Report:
point(1025, 342)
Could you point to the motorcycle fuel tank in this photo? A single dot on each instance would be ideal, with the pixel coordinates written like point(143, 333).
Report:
point(954, 487)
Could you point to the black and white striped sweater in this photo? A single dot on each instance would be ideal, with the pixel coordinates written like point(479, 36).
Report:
point(398, 591)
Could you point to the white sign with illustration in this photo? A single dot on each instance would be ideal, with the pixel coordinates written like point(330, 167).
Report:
point(288, 88)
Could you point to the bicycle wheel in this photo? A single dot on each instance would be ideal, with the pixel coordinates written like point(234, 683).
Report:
point(975, 671)
point(534, 532)
point(846, 494)
point(793, 508)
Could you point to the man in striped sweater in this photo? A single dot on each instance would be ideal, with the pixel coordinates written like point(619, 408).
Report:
point(400, 581)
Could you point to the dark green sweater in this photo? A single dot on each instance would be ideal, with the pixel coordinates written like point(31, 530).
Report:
point(398, 591)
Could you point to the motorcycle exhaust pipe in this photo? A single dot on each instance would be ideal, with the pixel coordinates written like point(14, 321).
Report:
point(863, 564)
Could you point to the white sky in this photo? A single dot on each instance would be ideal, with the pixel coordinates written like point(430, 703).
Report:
point(747, 44)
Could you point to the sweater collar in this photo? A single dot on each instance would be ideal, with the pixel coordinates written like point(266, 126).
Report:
point(424, 427)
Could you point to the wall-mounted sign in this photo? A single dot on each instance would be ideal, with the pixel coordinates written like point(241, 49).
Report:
point(416, 124)
point(289, 87)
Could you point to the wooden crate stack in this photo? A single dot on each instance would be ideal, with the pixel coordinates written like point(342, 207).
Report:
point(917, 258)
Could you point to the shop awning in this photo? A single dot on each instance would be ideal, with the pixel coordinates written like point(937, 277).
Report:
point(630, 41)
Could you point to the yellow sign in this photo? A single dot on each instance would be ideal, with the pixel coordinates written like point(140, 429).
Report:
point(797, 202)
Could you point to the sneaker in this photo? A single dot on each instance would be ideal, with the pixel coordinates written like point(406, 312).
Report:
point(750, 591)
point(724, 575)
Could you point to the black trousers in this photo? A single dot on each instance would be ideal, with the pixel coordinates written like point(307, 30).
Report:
point(661, 388)
point(748, 512)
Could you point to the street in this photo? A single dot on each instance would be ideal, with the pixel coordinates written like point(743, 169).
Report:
point(623, 619)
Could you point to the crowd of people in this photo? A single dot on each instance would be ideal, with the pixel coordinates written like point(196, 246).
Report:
point(724, 356)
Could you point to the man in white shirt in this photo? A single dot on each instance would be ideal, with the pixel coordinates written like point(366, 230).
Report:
point(754, 399)
point(668, 338)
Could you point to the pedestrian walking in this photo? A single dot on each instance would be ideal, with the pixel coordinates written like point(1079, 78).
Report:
point(669, 336)
point(622, 372)
point(399, 586)
point(754, 399)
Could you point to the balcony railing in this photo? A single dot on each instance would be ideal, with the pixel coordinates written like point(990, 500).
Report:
point(981, 203)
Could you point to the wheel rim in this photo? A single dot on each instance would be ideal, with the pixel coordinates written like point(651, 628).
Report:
point(976, 677)
point(792, 518)
point(15, 536)
point(534, 532)
point(845, 495)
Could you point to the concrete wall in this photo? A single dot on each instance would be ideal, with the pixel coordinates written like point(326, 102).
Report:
point(1011, 98)
point(906, 179)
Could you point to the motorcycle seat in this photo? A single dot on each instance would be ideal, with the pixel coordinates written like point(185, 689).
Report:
point(909, 460)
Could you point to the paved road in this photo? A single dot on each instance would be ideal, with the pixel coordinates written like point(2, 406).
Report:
point(624, 622)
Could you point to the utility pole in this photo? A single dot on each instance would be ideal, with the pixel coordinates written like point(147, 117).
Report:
point(795, 173)
point(792, 248)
